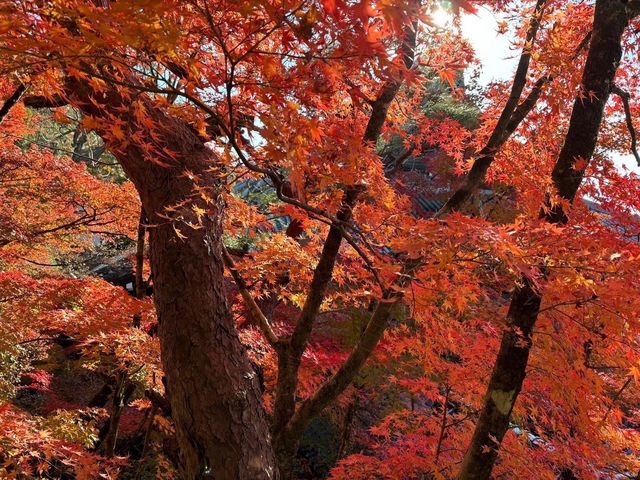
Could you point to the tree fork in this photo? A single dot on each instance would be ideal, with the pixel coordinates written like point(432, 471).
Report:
point(510, 118)
point(287, 425)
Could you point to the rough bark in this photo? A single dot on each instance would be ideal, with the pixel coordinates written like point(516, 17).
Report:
point(214, 395)
point(505, 384)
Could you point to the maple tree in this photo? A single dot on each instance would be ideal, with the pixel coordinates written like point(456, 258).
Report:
point(509, 341)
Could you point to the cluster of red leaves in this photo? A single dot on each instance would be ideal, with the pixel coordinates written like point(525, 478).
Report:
point(28, 450)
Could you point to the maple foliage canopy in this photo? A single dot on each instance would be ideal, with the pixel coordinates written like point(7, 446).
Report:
point(273, 138)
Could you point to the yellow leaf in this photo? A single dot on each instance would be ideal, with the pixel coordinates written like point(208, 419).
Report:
point(179, 233)
point(198, 211)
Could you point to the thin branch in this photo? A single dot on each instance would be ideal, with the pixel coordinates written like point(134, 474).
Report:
point(252, 307)
point(39, 339)
point(56, 149)
point(140, 241)
point(633, 9)
point(335, 385)
point(583, 44)
point(396, 164)
point(443, 425)
point(624, 96)
point(322, 275)
point(40, 264)
point(615, 398)
point(367, 342)
point(520, 78)
point(577, 303)
point(290, 358)
point(523, 109)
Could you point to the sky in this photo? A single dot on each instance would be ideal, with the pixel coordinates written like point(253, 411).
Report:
point(493, 50)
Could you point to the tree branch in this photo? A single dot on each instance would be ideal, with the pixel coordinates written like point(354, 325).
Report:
point(12, 100)
point(510, 118)
point(140, 240)
point(252, 307)
point(615, 398)
point(322, 275)
point(443, 425)
point(523, 109)
point(396, 164)
point(333, 387)
point(40, 101)
point(369, 339)
point(633, 8)
point(624, 96)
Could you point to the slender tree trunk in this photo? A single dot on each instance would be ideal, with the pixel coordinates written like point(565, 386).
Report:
point(512, 114)
point(214, 395)
point(334, 386)
point(290, 355)
point(509, 370)
point(139, 278)
point(139, 284)
point(121, 397)
point(287, 426)
point(347, 428)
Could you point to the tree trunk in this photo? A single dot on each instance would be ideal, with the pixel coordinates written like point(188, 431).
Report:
point(289, 440)
point(509, 370)
point(347, 428)
point(212, 388)
point(214, 395)
point(512, 114)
